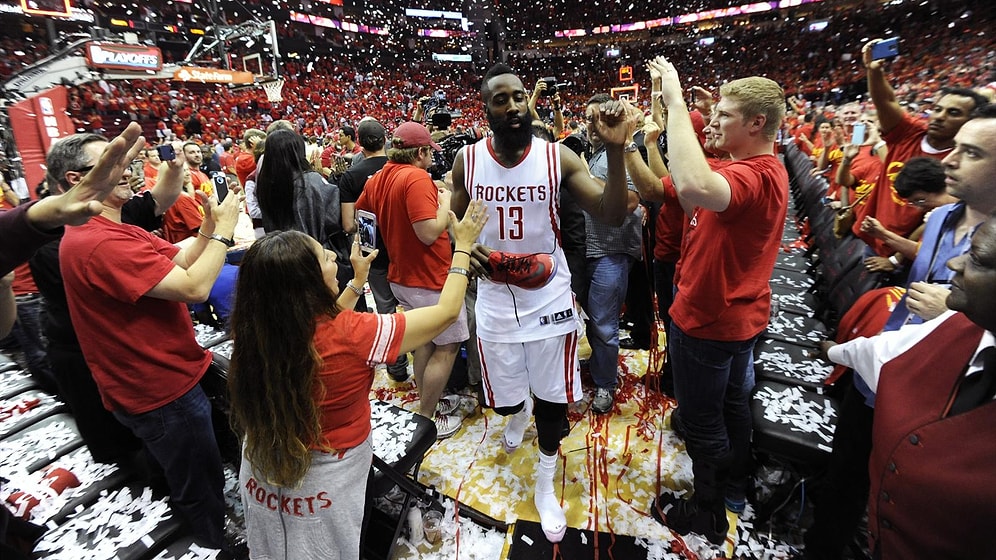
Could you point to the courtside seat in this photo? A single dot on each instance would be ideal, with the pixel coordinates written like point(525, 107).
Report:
point(39, 444)
point(208, 336)
point(53, 492)
point(14, 381)
point(789, 364)
point(796, 329)
point(126, 524)
point(19, 411)
point(400, 440)
point(793, 423)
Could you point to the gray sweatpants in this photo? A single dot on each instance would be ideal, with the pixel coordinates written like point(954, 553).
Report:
point(321, 518)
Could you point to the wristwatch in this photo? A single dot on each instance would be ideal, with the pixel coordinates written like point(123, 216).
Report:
point(630, 148)
point(226, 240)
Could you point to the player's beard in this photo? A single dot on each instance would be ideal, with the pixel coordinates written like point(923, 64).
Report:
point(508, 135)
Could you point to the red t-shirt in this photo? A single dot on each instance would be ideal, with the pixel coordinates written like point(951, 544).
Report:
point(727, 257)
point(182, 220)
point(401, 195)
point(866, 168)
point(245, 164)
point(885, 204)
point(24, 282)
point(350, 346)
point(201, 181)
point(141, 350)
point(671, 222)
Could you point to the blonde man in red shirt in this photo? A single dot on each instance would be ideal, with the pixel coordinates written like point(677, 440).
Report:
point(723, 300)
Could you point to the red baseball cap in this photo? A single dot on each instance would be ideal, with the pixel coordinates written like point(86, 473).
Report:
point(412, 135)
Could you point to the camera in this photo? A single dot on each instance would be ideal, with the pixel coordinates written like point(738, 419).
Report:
point(442, 161)
point(552, 87)
point(578, 144)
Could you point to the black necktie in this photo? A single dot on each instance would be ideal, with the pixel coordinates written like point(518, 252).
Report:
point(978, 388)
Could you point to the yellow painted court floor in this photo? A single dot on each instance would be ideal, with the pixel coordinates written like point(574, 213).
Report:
point(611, 467)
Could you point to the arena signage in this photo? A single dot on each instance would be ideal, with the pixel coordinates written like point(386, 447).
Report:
point(119, 56)
point(213, 75)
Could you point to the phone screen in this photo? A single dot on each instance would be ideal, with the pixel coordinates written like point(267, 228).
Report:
point(366, 226)
point(858, 134)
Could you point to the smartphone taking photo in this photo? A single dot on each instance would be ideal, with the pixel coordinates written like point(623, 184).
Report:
point(366, 226)
point(220, 181)
point(858, 134)
point(887, 48)
point(166, 152)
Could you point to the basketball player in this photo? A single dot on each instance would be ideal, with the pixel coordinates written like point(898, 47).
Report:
point(526, 323)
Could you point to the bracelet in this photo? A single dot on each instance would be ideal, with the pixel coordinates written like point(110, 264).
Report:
point(355, 290)
point(461, 251)
point(458, 270)
point(228, 242)
point(894, 260)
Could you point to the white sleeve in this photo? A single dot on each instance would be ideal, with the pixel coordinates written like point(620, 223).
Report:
point(866, 356)
point(252, 205)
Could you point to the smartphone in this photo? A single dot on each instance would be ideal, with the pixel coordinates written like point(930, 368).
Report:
point(858, 134)
point(166, 152)
point(366, 226)
point(138, 169)
point(887, 48)
point(220, 185)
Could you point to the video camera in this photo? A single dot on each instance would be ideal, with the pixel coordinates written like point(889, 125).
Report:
point(553, 86)
point(578, 144)
point(442, 161)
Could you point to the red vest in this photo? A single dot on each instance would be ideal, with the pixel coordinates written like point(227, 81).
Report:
point(933, 478)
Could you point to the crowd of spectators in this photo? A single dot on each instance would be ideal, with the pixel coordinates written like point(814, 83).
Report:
point(947, 47)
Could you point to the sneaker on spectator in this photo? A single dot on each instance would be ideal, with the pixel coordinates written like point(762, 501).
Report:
point(447, 405)
point(604, 398)
point(528, 271)
point(446, 426)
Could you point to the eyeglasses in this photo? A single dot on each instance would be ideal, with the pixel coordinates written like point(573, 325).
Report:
point(83, 170)
point(919, 202)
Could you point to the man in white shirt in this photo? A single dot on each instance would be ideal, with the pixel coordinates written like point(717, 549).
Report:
point(934, 436)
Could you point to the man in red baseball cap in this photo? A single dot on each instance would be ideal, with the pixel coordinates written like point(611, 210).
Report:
point(412, 214)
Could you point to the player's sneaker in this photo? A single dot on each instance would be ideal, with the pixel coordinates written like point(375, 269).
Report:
point(528, 271)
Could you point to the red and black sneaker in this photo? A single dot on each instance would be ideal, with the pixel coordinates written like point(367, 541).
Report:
point(528, 271)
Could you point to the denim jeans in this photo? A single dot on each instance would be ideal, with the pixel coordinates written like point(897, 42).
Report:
point(180, 436)
point(713, 382)
point(606, 294)
point(28, 332)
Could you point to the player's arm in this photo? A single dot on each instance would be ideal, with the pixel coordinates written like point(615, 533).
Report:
point(460, 198)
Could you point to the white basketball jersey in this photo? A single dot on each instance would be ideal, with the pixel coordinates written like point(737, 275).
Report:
point(524, 206)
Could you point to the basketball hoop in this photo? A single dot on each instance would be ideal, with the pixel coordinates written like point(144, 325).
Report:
point(273, 90)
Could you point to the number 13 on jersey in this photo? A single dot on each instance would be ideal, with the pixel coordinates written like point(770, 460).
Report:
point(509, 222)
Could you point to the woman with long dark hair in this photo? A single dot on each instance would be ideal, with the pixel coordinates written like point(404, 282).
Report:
point(292, 195)
point(301, 374)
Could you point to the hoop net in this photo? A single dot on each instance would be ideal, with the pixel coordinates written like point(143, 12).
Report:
point(273, 90)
